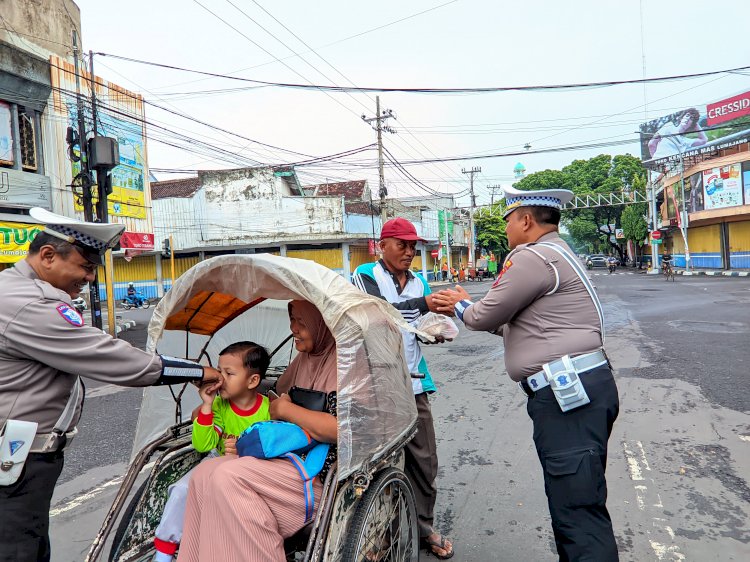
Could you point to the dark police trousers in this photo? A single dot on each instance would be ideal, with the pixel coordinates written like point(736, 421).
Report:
point(572, 447)
point(24, 510)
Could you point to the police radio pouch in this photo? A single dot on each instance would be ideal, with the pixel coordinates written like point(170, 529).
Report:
point(565, 383)
point(15, 444)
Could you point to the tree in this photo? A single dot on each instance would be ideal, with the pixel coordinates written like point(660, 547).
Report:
point(490, 227)
point(592, 228)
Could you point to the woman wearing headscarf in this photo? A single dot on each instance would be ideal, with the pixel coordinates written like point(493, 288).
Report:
point(243, 508)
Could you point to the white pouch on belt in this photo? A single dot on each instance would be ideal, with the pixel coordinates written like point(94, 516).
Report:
point(15, 444)
point(566, 385)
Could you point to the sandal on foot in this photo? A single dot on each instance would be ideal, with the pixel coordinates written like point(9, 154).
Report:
point(430, 546)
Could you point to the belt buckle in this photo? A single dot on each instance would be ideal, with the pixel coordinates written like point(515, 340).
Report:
point(526, 388)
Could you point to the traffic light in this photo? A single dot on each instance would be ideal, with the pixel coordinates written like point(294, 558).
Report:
point(166, 249)
point(450, 240)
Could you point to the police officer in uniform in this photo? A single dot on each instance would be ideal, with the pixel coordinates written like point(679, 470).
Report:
point(547, 311)
point(44, 348)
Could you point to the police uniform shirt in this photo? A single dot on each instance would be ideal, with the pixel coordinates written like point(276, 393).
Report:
point(44, 346)
point(540, 307)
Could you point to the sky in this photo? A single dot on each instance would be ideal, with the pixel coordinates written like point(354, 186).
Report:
point(415, 44)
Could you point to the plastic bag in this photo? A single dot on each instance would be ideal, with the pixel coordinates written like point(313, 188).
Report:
point(438, 325)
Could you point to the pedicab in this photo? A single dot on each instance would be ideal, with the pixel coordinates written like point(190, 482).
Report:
point(367, 509)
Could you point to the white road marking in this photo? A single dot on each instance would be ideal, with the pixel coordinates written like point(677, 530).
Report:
point(80, 500)
point(744, 438)
point(105, 390)
point(633, 466)
point(662, 538)
point(640, 494)
point(643, 456)
point(90, 495)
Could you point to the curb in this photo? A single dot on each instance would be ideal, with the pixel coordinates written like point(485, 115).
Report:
point(124, 326)
point(714, 273)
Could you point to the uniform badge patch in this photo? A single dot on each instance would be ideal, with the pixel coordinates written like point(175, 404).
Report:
point(70, 314)
point(506, 267)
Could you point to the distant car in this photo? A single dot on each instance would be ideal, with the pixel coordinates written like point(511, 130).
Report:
point(597, 260)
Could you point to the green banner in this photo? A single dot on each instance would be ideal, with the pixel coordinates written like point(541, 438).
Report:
point(445, 217)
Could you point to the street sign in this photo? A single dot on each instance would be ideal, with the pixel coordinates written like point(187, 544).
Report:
point(656, 235)
point(434, 253)
point(657, 241)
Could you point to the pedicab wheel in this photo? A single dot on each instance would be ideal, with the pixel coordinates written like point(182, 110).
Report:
point(125, 521)
point(384, 526)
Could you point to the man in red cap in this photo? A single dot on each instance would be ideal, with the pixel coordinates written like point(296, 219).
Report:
point(391, 278)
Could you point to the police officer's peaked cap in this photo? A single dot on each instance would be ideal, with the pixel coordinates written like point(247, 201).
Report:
point(92, 238)
point(555, 198)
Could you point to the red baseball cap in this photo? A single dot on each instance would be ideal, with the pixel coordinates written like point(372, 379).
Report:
point(400, 228)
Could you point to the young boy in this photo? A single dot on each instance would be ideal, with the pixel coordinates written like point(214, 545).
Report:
point(216, 425)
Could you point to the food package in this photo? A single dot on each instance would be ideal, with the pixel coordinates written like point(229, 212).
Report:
point(438, 325)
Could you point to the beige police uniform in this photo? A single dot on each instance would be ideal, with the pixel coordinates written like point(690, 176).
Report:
point(540, 307)
point(42, 351)
point(44, 347)
point(543, 310)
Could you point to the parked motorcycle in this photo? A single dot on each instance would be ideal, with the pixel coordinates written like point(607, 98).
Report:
point(79, 304)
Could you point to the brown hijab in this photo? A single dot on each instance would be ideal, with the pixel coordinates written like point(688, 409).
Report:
point(315, 370)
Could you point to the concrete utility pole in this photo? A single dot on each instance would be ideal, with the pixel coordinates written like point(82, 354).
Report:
point(379, 120)
point(493, 189)
point(472, 242)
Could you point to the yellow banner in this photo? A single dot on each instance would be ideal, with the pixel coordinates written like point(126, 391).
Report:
point(14, 240)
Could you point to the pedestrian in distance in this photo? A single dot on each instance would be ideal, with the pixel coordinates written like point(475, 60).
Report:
point(44, 347)
point(550, 318)
point(390, 279)
point(445, 271)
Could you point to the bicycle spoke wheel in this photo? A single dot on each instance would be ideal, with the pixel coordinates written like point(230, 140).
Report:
point(384, 527)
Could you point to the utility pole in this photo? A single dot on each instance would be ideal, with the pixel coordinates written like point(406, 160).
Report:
point(86, 183)
point(472, 242)
point(84, 175)
point(380, 118)
point(493, 189)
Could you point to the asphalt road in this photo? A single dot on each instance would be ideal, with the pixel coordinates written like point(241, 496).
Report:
point(679, 457)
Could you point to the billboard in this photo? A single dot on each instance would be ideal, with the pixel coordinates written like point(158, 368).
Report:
point(691, 131)
point(722, 187)
point(128, 181)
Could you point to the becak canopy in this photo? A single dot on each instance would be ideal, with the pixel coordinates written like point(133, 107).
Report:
point(243, 297)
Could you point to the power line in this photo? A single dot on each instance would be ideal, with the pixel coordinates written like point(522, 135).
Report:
point(466, 90)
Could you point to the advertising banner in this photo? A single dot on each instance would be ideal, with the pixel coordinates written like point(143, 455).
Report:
point(15, 239)
point(128, 183)
point(6, 138)
point(702, 129)
point(746, 181)
point(444, 217)
point(137, 241)
point(722, 187)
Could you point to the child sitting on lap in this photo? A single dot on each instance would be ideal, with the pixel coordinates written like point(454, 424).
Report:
point(220, 420)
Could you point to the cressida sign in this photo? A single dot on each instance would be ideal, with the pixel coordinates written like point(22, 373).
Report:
point(700, 129)
point(728, 109)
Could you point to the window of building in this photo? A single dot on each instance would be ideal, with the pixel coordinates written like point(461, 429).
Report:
point(19, 140)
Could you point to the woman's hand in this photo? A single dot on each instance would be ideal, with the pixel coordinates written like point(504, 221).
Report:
point(279, 408)
point(321, 426)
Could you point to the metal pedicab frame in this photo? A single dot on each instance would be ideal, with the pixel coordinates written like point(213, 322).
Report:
point(367, 508)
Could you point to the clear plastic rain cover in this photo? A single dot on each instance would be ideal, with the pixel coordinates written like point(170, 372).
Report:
point(375, 401)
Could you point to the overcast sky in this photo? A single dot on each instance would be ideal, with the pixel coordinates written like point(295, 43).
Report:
point(464, 43)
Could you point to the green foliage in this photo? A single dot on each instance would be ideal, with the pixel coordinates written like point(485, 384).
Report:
point(634, 225)
point(491, 230)
point(603, 174)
